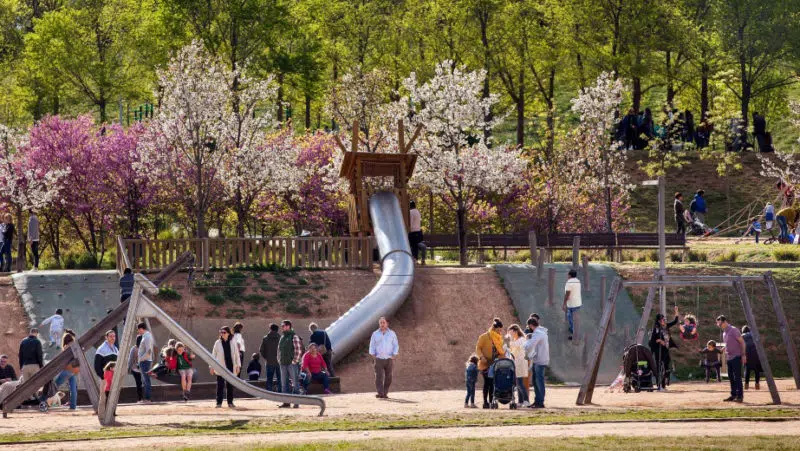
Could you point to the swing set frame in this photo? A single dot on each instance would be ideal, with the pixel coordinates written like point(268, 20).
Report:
point(664, 281)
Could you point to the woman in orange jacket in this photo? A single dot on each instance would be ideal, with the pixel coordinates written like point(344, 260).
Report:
point(488, 349)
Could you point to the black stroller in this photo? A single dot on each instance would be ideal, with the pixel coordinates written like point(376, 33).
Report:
point(639, 367)
point(505, 383)
point(48, 391)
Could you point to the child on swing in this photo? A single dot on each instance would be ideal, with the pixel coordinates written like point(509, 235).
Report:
point(689, 327)
point(711, 360)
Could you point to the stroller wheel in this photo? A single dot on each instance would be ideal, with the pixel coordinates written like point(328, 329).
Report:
point(494, 404)
point(513, 406)
point(43, 407)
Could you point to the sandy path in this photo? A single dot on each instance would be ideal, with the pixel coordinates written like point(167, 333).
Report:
point(709, 428)
point(560, 400)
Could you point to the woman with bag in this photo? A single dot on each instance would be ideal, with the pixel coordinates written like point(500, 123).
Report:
point(320, 338)
point(488, 349)
point(70, 372)
point(515, 346)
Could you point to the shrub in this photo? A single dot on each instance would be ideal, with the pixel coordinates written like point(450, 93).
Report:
point(235, 285)
point(302, 281)
point(169, 294)
point(255, 298)
point(727, 257)
point(215, 299)
point(522, 257)
point(85, 260)
point(204, 285)
point(786, 255)
point(297, 309)
point(695, 256)
point(675, 257)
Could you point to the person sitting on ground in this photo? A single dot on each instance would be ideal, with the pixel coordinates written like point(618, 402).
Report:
point(183, 362)
point(711, 360)
point(488, 349)
point(471, 377)
point(108, 375)
point(689, 327)
point(56, 323)
point(753, 364)
point(314, 366)
point(254, 368)
point(7, 373)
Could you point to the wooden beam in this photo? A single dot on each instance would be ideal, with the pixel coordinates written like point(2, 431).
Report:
point(354, 143)
point(783, 325)
point(648, 308)
point(339, 142)
point(413, 138)
point(87, 375)
point(762, 353)
point(590, 378)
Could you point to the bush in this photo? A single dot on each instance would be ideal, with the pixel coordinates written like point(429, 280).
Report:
point(695, 256)
point(302, 281)
point(727, 257)
point(169, 294)
point(786, 255)
point(522, 257)
point(235, 285)
point(81, 261)
point(204, 285)
point(297, 309)
point(255, 298)
point(675, 257)
point(215, 299)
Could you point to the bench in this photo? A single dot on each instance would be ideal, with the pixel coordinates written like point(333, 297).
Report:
point(617, 242)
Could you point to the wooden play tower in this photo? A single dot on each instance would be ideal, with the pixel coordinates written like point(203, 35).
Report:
point(359, 167)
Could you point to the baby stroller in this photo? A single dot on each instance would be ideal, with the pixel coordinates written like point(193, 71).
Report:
point(697, 228)
point(49, 396)
point(638, 365)
point(505, 382)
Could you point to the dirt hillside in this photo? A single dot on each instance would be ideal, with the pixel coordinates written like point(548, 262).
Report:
point(14, 323)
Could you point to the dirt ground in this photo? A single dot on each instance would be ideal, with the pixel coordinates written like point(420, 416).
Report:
point(559, 399)
point(14, 322)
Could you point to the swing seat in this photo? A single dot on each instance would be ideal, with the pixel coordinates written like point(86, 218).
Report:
point(693, 337)
point(173, 378)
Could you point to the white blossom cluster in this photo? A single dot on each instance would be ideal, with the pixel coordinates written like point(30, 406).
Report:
point(20, 183)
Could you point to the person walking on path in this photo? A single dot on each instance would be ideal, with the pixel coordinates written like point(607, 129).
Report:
point(70, 372)
point(225, 353)
point(238, 341)
point(736, 352)
point(383, 347)
point(698, 206)
point(488, 349)
point(414, 230)
point(320, 338)
point(145, 358)
point(33, 238)
point(7, 231)
point(56, 323)
point(516, 347)
point(572, 300)
point(290, 353)
point(679, 221)
point(269, 350)
point(314, 365)
point(537, 348)
point(107, 352)
point(753, 361)
point(126, 285)
point(31, 358)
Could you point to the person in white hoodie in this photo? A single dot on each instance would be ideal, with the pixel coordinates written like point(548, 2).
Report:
point(516, 347)
point(56, 323)
point(537, 348)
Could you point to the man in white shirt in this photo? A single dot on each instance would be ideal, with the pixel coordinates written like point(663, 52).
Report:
point(383, 347)
point(415, 231)
point(572, 299)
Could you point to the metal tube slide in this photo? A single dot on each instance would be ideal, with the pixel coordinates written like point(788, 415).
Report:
point(147, 308)
point(392, 288)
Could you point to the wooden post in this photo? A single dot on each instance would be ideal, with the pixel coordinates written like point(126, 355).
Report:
point(590, 378)
point(87, 375)
point(354, 143)
point(576, 250)
point(613, 327)
point(738, 283)
point(126, 341)
point(206, 255)
point(540, 264)
point(783, 325)
point(662, 253)
point(648, 307)
point(585, 263)
point(551, 287)
point(532, 245)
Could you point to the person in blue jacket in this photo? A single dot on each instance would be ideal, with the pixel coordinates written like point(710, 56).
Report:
point(698, 206)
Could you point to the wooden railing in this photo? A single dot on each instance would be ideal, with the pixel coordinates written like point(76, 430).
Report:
point(229, 253)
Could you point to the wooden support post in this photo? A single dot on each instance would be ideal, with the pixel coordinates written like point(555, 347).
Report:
point(783, 325)
point(590, 378)
point(585, 263)
point(87, 375)
point(738, 284)
point(576, 250)
point(551, 287)
point(613, 328)
point(126, 341)
point(206, 255)
point(648, 307)
point(540, 264)
point(532, 245)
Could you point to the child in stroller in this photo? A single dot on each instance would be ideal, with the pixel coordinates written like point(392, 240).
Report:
point(505, 382)
point(638, 365)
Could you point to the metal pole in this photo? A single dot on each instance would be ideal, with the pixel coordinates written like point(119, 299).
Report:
point(662, 244)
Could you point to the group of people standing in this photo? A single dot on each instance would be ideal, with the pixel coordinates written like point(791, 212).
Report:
point(636, 129)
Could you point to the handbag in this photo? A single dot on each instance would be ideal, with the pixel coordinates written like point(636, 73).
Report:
point(322, 348)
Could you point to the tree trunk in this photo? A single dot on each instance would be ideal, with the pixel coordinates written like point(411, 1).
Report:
point(241, 213)
point(461, 222)
point(521, 109)
point(670, 85)
point(430, 212)
point(609, 218)
point(279, 100)
point(335, 76)
point(200, 205)
point(101, 105)
point(308, 112)
point(637, 93)
point(483, 17)
point(551, 115)
point(704, 105)
point(21, 239)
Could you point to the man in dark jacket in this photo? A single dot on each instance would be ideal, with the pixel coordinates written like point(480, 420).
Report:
point(30, 354)
point(679, 209)
point(290, 351)
point(320, 338)
point(660, 343)
point(269, 351)
point(7, 373)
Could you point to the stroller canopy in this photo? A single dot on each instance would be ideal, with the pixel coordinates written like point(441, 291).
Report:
point(634, 354)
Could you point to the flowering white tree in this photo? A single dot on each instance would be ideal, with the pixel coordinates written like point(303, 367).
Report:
point(22, 184)
point(455, 159)
point(783, 166)
point(598, 161)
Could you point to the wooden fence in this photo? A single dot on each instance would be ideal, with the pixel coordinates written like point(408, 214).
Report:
point(229, 253)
